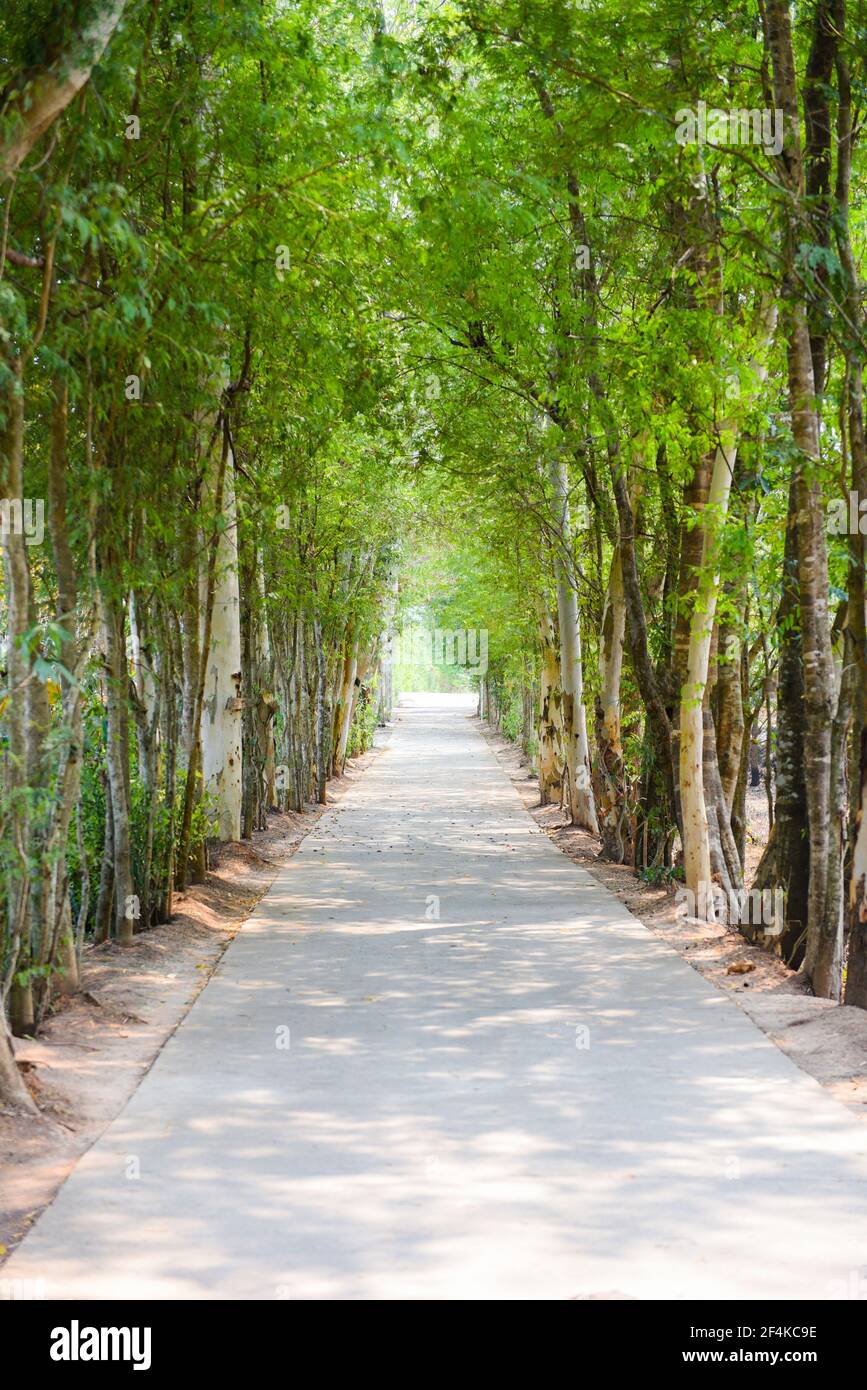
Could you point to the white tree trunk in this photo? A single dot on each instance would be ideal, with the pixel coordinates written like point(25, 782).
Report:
point(582, 808)
point(696, 843)
point(221, 715)
point(611, 653)
point(69, 982)
point(385, 684)
point(550, 712)
point(611, 803)
point(347, 705)
point(264, 657)
point(117, 675)
point(143, 674)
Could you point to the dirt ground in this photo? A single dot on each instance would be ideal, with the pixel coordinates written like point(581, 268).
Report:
point(96, 1046)
point(827, 1040)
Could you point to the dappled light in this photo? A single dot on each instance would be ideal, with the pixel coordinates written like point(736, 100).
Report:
point(433, 657)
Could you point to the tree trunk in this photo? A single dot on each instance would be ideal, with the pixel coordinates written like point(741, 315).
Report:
point(73, 657)
point(784, 863)
point(699, 560)
point(117, 759)
point(856, 967)
point(105, 895)
point(221, 724)
point(660, 786)
point(610, 771)
point(856, 629)
point(582, 808)
point(320, 721)
point(823, 958)
point(550, 715)
point(344, 704)
point(36, 97)
point(729, 711)
point(68, 981)
point(13, 1092)
point(709, 852)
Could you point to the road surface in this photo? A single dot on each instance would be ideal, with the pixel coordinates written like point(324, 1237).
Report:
point(440, 1061)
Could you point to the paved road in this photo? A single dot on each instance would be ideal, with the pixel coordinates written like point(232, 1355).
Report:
point(437, 1126)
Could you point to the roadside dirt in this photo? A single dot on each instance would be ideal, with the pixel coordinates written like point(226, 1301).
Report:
point(96, 1046)
point(827, 1040)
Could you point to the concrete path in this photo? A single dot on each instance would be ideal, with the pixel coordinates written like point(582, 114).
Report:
point(527, 1095)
